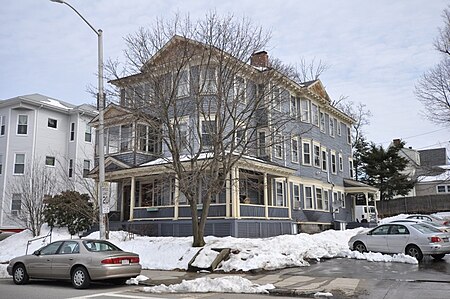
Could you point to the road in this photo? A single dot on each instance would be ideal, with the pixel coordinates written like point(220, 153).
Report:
point(344, 278)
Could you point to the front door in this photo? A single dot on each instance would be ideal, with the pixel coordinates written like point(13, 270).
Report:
point(40, 266)
point(126, 195)
point(376, 241)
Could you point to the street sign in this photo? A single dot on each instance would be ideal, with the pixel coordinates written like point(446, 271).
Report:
point(105, 198)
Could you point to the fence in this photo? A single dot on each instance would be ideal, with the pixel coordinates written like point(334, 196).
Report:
point(417, 204)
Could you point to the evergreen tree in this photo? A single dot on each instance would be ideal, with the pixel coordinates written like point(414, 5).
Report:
point(383, 169)
point(360, 149)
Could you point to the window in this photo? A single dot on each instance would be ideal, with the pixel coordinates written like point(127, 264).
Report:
point(157, 192)
point(52, 123)
point(315, 114)
point(182, 135)
point(70, 247)
point(72, 131)
point(278, 146)
point(349, 135)
point(333, 162)
point(208, 80)
point(70, 168)
point(294, 150)
point(19, 164)
point(209, 130)
point(322, 122)
point(294, 106)
point(49, 161)
point(308, 202)
point(316, 155)
point(443, 189)
point(1, 164)
point(296, 195)
point(16, 202)
point(331, 126)
point(2, 125)
point(125, 137)
point(241, 139)
point(22, 125)
point(304, 105)
point(350, 170)
point(86, 167)
point(324, 159)
point(306, 152)
point(183, 84)
point(341, 163)
point(338, 128)
point(148, 139)
point(262, 147)
point(280, 201)
point(239, 89)
point(342, 198)
point(88, 133)
point(326, 200)
point(319, 200)
point(276, 97)
point(51, 248)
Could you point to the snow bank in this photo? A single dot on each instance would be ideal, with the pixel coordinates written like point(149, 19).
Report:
point(378, 257)
point(227, 284)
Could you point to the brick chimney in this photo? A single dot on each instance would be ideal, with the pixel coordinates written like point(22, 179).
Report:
point(260, 59)
point(396, 142)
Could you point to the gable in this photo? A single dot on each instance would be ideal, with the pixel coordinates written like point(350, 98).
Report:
point(318, 89)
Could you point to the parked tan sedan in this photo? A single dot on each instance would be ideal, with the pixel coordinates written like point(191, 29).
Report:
point(81, 261)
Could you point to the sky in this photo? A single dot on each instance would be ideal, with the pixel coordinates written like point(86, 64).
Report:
point(376, 50)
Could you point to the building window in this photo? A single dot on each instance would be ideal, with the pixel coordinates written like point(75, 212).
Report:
point(148, 139)
point(70, 168)
point(278, 146)
point(16, 202)
point(326, 200)
point(279, 200)
point(342, 198)
point(324, 159)
point(316, 155)
point(294, 106)
point(322, 122)
point(308, 202)
point(1, 164)
point(208, 80)
point(2, 125)
point(19, 164)
point(333, 163)
point(209, 130)
point(239, 89)
point(52, 123)
point(349, 135)
point(350, 170)
point(443, 189)
point(86, 167)
point(341, 163)
point(304, 105)
point(331, 125)
point(296, 195)
point(319, 199)
point(125, 138)
point(262, 145)
point(88, 134)
point(22, 125)
point(49, 161)
point(72, 131)
point(294, 149)
point(276, 98)
point(315, 114)
point(183, 84)
point(306, 152)
point(338, 128)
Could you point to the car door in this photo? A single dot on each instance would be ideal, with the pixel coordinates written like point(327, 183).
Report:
point(376, 239)
point(63, 260)
point(40, 265)
point(397, 238)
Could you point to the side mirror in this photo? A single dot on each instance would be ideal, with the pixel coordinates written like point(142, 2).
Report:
point(37, 252)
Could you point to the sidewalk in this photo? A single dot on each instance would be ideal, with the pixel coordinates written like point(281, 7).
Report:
point(285, 285)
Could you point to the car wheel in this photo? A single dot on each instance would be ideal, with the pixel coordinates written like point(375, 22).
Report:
point(359, 246)
point(438, 256)
point(20, 275)
point(80, 278)
point(414, 251)
point(119, 281)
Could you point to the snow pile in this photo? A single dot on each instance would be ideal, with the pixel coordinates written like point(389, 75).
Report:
point(378, 257)
point(136, 280)
point(205, 258)
point(227, 284)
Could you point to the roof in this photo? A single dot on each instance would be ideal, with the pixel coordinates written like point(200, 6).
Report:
point(40, 100)
point(352, 186)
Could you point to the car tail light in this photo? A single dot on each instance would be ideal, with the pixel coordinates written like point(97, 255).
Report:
point(118, 260)
point(435, 239)
point(446, 223)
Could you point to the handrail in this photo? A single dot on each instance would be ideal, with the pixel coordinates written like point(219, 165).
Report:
point(49, 234)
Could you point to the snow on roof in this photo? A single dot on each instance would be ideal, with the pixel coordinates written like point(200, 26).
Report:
point(445, 176)
point(55, 103)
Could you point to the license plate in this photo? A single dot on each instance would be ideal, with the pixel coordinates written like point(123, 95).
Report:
point(445, 239)
point(125, 262)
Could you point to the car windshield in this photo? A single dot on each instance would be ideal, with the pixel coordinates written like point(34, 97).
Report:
point(98, 245)
point(425, 229)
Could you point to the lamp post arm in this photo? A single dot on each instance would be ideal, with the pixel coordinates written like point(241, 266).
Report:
point(76, 11)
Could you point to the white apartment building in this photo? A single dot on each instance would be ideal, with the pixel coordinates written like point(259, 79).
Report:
point(42, 134)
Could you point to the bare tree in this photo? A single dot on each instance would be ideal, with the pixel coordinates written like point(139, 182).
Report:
point(204, 102)
point(433, 88)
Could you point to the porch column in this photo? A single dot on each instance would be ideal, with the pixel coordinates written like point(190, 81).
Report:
point(228, 196)
point(288, 195)
point(132, 197)
point(266, 197)
point(366, 194)
point(234, 202)
point(236, 195)
point(176, 200)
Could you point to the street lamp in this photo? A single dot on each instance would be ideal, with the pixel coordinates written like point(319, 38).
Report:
point(103, 206)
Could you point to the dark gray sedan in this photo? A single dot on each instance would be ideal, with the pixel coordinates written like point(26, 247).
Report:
point(80, 261)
